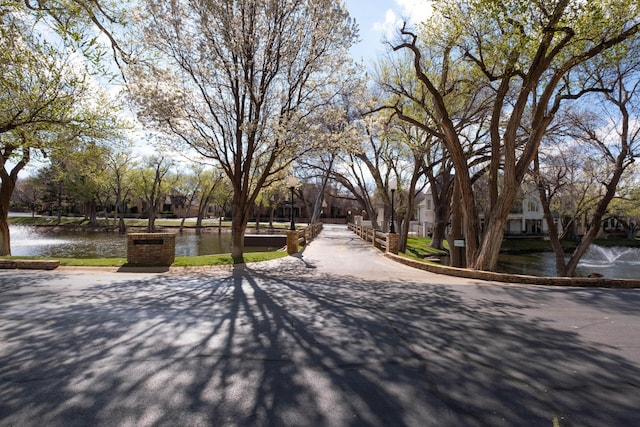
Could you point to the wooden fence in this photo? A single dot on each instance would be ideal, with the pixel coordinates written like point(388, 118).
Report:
point(302, 237)
point(384, 241)
point(309, 233)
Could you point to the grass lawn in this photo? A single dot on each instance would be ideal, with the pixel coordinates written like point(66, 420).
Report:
point(187, 261)
point(418, 248)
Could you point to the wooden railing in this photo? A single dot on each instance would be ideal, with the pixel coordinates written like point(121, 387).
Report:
point(379, 239)
point(302, 237)
point(308, 233)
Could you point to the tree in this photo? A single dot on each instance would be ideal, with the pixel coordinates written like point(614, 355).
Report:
point(28, 194)
point(152, 185)
point(197, 187)
point(84, 174)
point(337, 130)
point(366, 168)
point(612, 145)
point(237, 81)
point(46, 99)
point(527, 54)
point(409, 100)
point(120, 163)
point(625, 209)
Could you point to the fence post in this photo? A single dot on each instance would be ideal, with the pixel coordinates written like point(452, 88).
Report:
point(292, 241)
point(393, 242)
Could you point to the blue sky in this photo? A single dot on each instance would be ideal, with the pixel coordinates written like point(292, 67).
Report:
point(378, 19)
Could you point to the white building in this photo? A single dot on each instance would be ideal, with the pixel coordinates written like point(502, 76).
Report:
point(525, 219)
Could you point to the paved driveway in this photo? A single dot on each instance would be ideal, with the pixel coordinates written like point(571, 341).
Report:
point(339, 336)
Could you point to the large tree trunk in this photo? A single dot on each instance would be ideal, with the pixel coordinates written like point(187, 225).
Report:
point(456, 254)
point(7, 185)
point(6, 190)
point(442, 190)
point(151, 224)
point(93, 213)
point(489, 250)
point(239, 220)
point(442, 214)
point(238, 228)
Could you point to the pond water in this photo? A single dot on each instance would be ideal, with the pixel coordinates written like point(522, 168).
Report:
point(29, 241)
point(611, 262)
point(616, 262)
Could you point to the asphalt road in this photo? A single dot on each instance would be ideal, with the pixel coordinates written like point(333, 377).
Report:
point(339, 336)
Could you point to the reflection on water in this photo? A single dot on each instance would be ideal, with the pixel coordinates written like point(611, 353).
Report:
point(28, 241)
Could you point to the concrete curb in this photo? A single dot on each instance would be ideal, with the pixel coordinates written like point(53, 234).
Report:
point(29, 264)
point(584, 282)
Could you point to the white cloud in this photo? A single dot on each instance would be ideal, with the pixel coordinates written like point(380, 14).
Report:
point(413, 11)
point(390, 24)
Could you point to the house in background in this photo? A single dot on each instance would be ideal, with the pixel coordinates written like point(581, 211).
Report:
point(526, 218)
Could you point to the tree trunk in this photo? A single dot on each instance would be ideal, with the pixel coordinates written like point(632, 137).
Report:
point(122, 227)
point(441, 221)
point(317, 206)
point(405, 225)
point(199, 219)
point(59, 203)
point(93, 213)
point(151, 224)
point(6, 190)
point(258, 212)
point(456, 254)
point(237, 236)
point(442, 189)
point(490, 248)
point(239, 220)
point(271, 215)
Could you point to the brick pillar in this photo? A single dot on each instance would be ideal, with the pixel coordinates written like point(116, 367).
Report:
point(151, 248)
point(292, 241)
point(393, 241)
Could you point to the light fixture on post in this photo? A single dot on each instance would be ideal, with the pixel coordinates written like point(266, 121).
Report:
point(393, 186)
point(291, 183)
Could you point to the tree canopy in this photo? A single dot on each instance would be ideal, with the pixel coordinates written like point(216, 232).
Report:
point(237, 81)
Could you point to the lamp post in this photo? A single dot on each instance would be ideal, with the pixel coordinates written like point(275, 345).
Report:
point(393, 186)
point(291, 182)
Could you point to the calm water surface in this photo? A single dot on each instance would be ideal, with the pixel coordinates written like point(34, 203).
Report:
point(617, 262)
point(612, 262)
point(28, 241)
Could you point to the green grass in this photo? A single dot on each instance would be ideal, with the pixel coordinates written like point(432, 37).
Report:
point(418, 248)
point(225, 259)
point(24, 220)
point(617, 241)
point(190, 261)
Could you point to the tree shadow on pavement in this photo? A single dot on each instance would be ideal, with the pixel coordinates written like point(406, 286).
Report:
point(256, 346)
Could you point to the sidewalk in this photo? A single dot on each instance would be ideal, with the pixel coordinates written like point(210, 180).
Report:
point(338, 251)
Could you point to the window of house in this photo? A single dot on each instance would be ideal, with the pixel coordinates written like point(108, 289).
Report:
point(533, 206)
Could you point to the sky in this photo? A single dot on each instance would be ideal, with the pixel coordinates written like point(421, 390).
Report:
point(379, 20)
